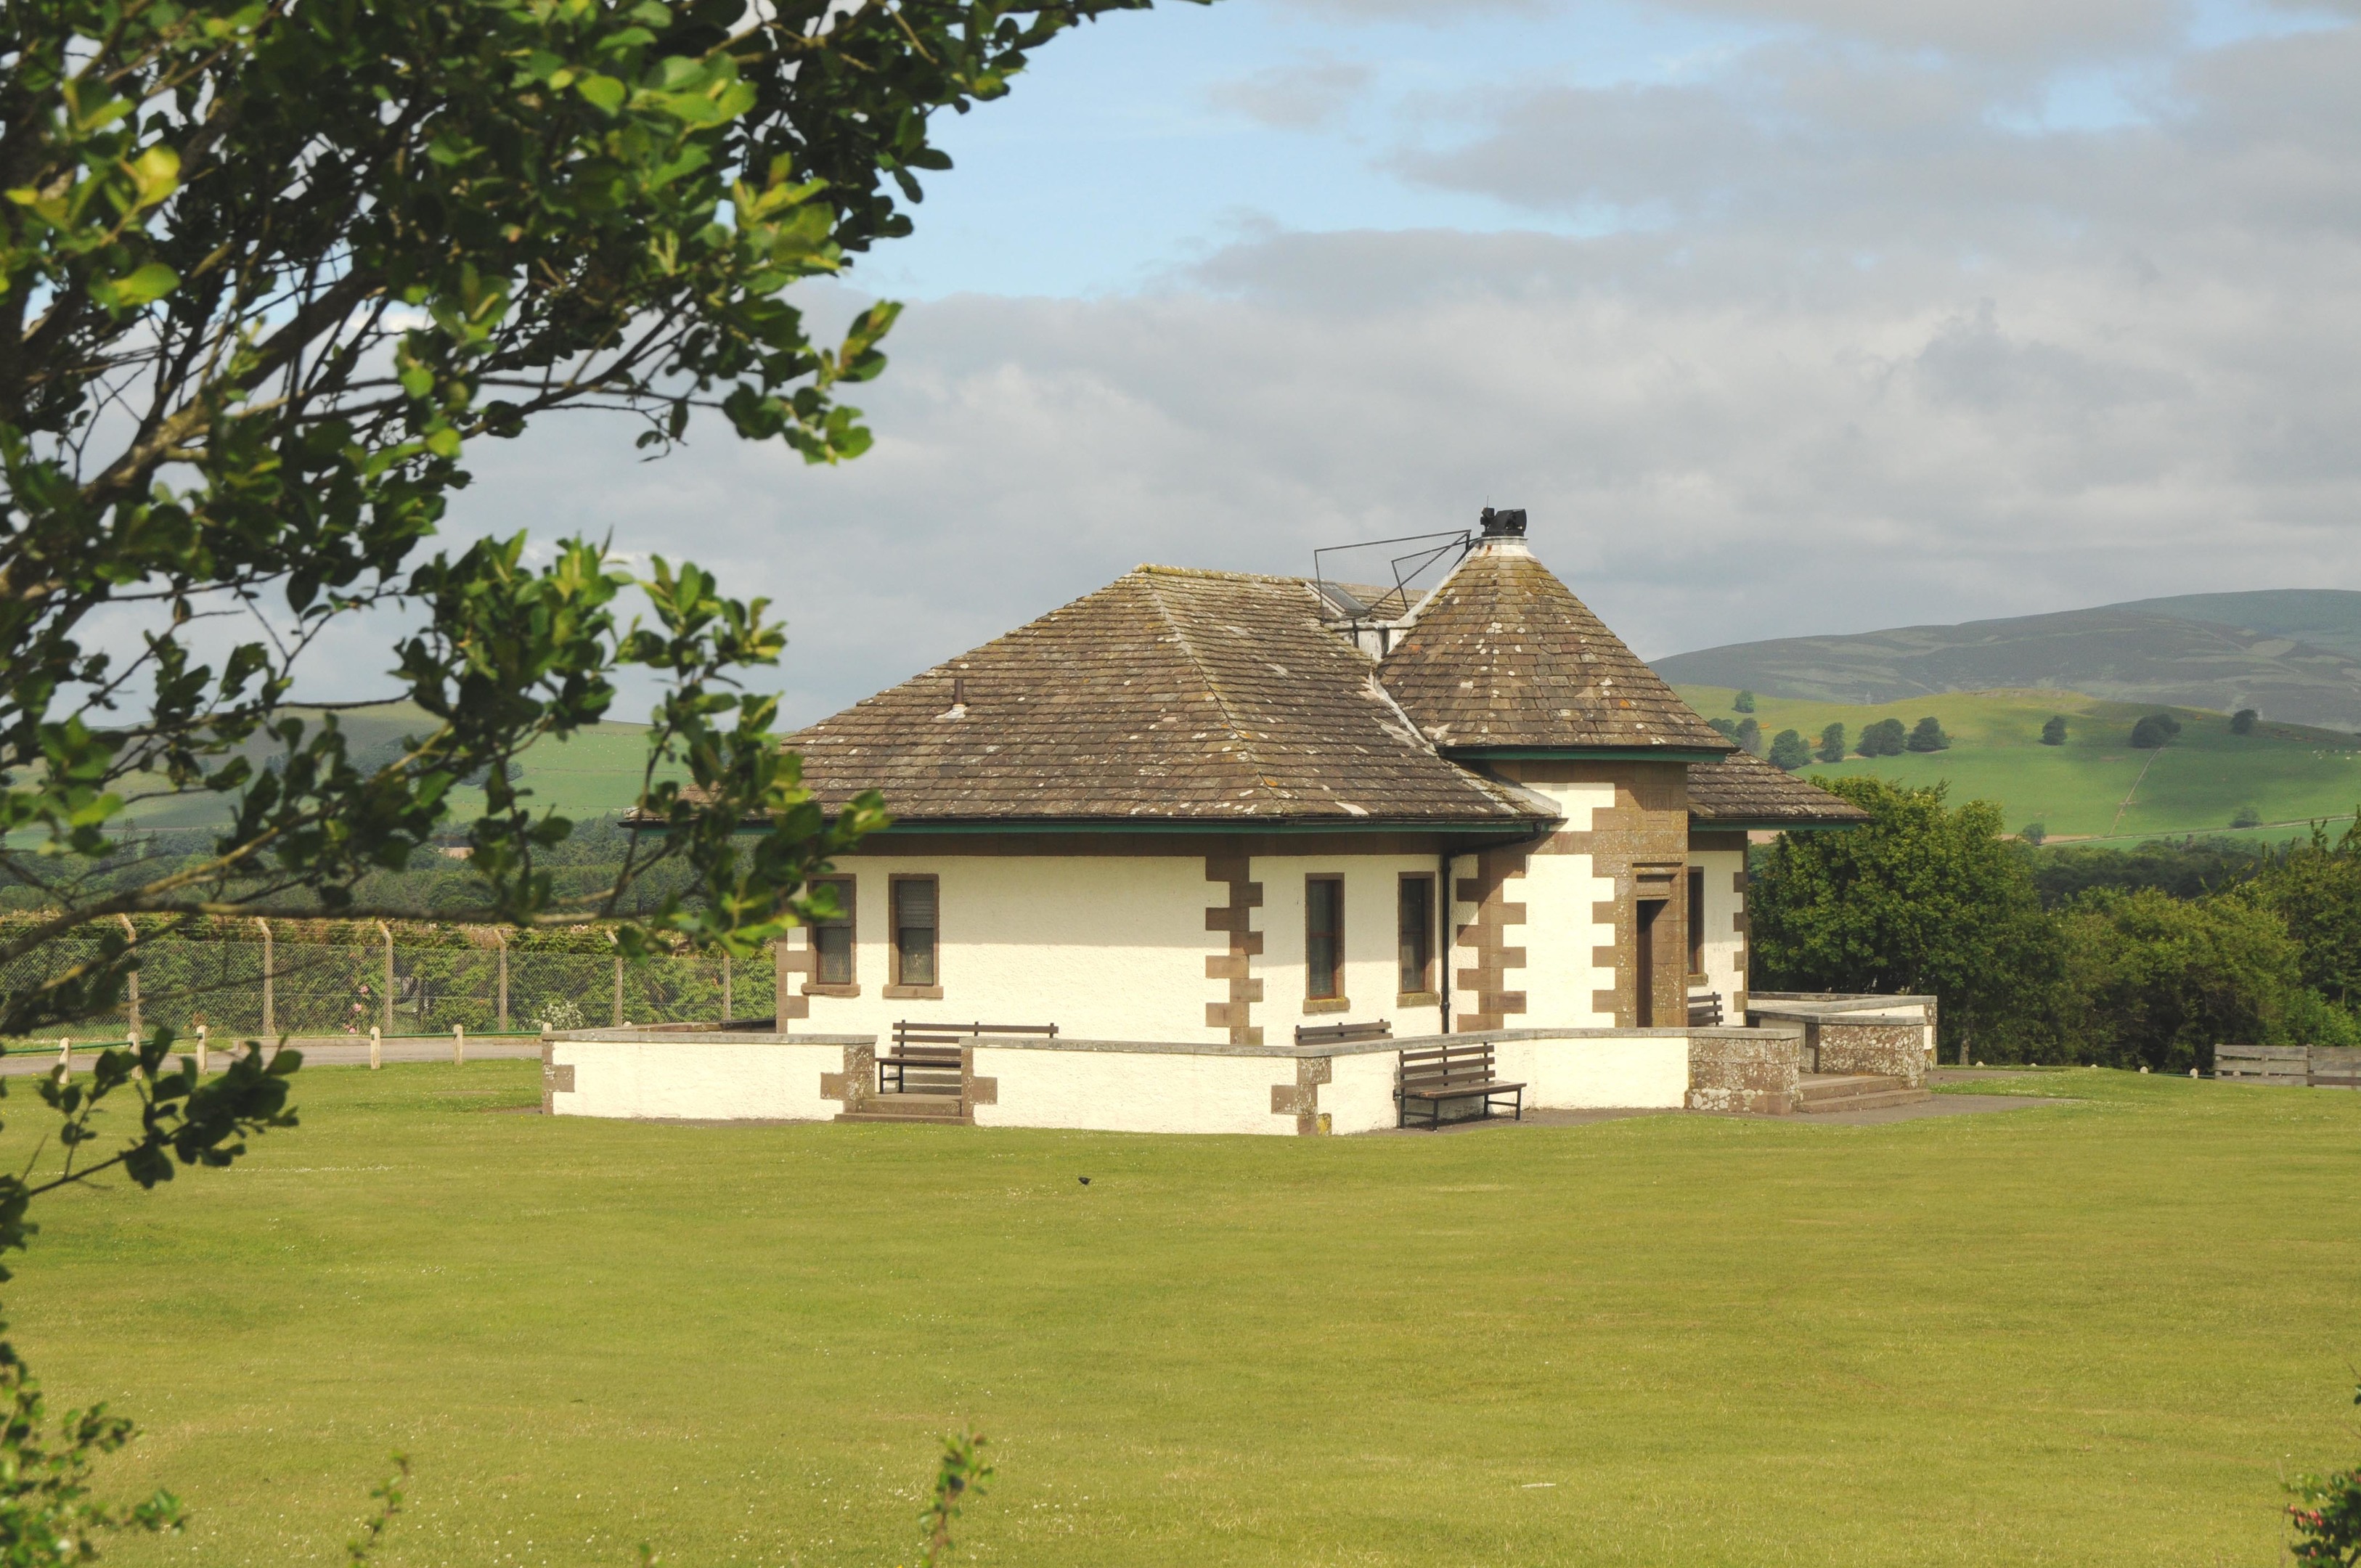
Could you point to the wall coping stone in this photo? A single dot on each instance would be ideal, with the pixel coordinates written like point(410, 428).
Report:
point(1188, 1048)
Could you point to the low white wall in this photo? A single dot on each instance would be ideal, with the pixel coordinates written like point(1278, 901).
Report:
point(1106, 1086)
point(1133, 1092)
point(1636, 1071)
point(695, 1079)
point(1359, 1095)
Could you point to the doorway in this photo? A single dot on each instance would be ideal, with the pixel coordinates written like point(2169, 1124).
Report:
point(1643, 966)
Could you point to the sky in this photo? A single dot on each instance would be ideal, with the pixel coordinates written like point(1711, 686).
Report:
point(1778, 316)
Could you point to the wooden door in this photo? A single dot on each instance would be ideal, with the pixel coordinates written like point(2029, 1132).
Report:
point(1643, 966)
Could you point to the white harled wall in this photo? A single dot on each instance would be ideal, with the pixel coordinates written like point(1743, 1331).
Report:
point(1372, 951)
point(1561, 895)
point(1114, 947)
point(1106, 946)
point(1725, 944)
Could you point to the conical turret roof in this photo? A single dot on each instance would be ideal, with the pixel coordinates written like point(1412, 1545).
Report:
point(1503, 656)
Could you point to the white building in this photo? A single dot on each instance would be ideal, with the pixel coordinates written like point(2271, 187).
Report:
point(1192, 815)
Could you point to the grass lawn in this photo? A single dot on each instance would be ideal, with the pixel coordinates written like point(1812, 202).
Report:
point(2289, 773)
point(2096, 1332)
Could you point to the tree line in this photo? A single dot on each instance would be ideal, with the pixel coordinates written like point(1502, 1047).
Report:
point(2147, 957)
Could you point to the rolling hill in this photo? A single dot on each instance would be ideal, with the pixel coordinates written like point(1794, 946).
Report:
point(593, 773)
point(2294, 654)
point(2096, 785)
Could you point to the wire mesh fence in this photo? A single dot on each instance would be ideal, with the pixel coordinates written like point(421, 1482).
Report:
point(314, 978)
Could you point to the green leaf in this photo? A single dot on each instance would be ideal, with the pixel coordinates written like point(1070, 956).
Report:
point(129, 292)
point(604, 93)
point(443, 443)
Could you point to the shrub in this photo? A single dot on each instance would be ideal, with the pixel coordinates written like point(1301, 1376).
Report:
point(1788, 751)
point(2242, 721)
point(2054, 732)
point(2246, 817)
point(2154, 979)
point(2151, 733)
point(1832, 744)
point(1750, 735)
point(1883, 738)
point(1744, 703)
point(2032, 833)
point(1929, 736)
point(1724, 726)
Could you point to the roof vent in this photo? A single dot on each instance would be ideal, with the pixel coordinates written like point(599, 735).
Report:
point(1504, 524)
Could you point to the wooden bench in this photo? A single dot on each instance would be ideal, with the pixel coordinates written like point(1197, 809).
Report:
point(1343, 1033)
point(1705, 1012)
point(926, 1057)
point(1430, 1075)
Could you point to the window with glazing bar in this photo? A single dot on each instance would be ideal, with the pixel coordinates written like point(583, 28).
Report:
point(1416, 939)
point(1323, 937)
point(914, 930)
point(1697, 920)
point(832, 939)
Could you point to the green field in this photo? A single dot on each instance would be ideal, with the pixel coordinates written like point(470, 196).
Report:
point(593, 773)
point(2096, 785)
point(2093, 1331)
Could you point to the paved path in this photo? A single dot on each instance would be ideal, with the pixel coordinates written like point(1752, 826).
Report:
point(331, 1051)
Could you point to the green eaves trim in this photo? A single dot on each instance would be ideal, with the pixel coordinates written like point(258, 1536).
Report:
point(1244, 825)
point(1578, 754)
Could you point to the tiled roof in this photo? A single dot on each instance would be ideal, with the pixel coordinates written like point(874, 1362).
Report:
point(1743, 790)
point(1503, 655)
point(1166, 696)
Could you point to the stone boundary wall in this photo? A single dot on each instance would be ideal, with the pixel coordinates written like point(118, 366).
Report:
point(1755, 1071)
point(1876, 1046)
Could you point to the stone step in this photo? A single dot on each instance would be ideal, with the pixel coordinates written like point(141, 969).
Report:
point(939, 1108)
point(1822, 1092)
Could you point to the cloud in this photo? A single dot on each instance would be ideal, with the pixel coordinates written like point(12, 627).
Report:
point(1869, 355)
point(1295, 97)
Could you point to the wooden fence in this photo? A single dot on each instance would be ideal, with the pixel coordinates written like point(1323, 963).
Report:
point(2292, 1067)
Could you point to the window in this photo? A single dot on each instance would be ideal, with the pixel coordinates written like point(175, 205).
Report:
point(832, 939)
point(1416, 936)
point(1697, 920)
point(914, 930)
point(1323, 937)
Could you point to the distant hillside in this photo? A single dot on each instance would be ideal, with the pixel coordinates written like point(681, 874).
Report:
point(2295, 654)
point(2097, 785)
point(594, 773)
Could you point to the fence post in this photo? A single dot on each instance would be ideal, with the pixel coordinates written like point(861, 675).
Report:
point(65, 1057)
point(385, 1007)
point(131, 933)
point(269, 1008)
point(459, 1045)
point(377, 1044)
point(728, 1012)
point(503, 936)
point(619, 984)
point(201, 1047)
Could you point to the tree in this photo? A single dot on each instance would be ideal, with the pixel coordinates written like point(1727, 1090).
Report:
point(2054, 732)
point(2158, 980)
point(1788, 751)
point(1725, 726)
point(2314, 889)
point(1883, 738)
point(2242, 721)
point(1742, 703)
point(1929, 736)
point(268, 274)
point(1923, 898)
point(2153, 732)
point(1832, 744)
point(1749, 735)
point(2034, 833)
point(2245, 817)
